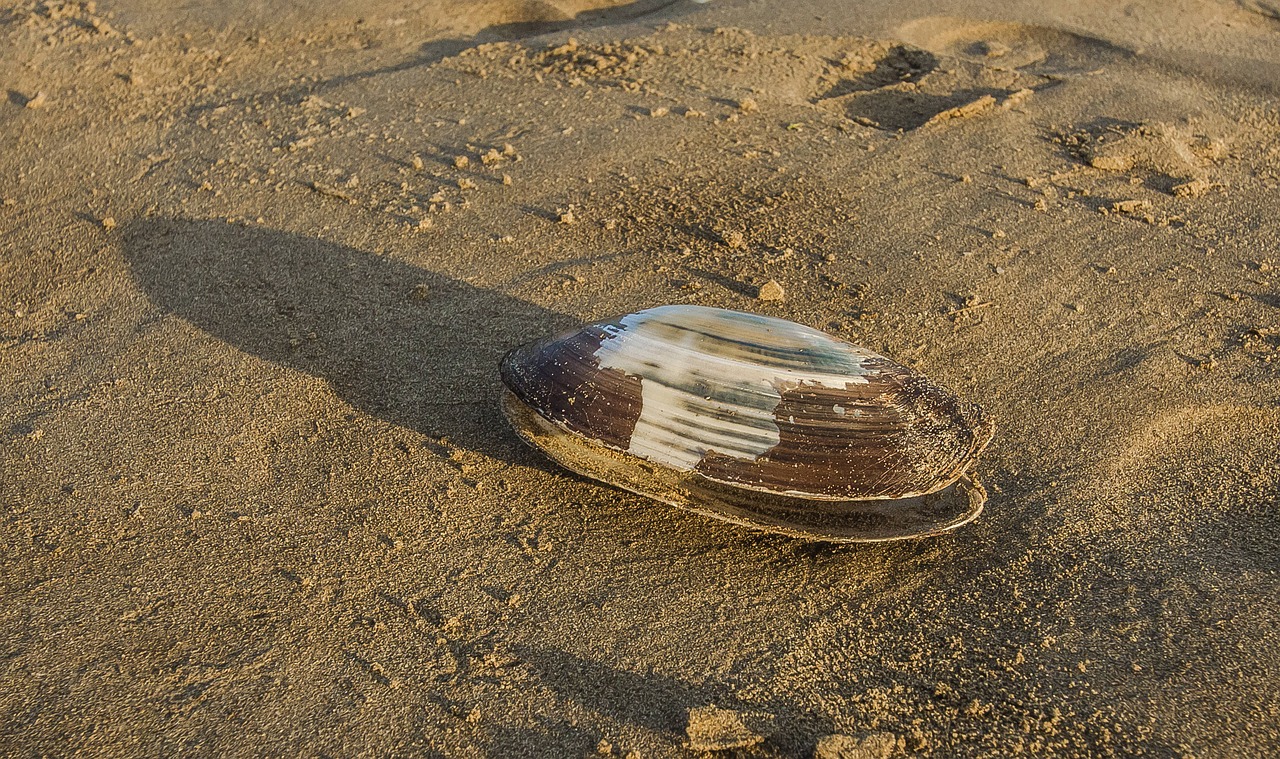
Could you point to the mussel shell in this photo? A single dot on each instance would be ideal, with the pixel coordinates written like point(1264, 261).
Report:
point(753, 419)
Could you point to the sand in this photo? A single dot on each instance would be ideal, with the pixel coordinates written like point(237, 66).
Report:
point(260, 261)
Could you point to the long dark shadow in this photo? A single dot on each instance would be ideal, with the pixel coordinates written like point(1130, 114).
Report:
point(415, 348)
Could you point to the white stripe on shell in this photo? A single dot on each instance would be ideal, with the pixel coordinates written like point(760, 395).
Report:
point(703, 387)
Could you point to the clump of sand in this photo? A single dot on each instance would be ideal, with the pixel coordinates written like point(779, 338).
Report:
point(711, 728)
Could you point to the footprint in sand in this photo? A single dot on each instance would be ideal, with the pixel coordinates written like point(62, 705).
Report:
point(1039, 50)
point(899, 87)
point(945, 67)
point(1169, 158)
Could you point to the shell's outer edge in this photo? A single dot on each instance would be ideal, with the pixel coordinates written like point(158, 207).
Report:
point(849, 521)
point(820, 418)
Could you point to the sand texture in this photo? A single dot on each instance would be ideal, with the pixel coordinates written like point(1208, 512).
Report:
point(258, 262)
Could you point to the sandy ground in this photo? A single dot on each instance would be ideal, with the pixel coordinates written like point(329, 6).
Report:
point(260, 261)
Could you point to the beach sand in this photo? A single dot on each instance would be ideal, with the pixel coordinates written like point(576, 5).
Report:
point(260, 262)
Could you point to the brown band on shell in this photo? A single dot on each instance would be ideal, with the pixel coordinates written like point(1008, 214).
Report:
point(894, 435)
point(838, 519)
point(562, 379)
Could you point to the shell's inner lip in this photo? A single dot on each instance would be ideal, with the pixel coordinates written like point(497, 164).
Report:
point(865, 520)
point(830, 519)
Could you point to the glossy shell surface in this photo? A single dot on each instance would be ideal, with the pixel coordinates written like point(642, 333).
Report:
point(752, 419)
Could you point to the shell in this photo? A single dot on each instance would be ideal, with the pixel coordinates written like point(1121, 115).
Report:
point(751, 419)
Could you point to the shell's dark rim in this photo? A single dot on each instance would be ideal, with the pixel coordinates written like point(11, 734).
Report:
point(862, 520)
